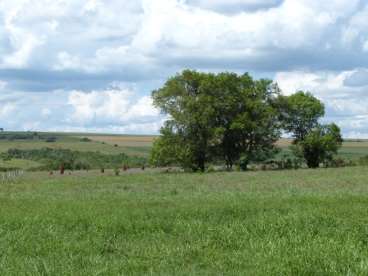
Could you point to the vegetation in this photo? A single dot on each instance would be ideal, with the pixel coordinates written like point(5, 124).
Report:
point(303, 222)
point(215, 117)
point(128, 144)
point(300, 113)
point(12, 136)
point(53, 159)
point(236, 120)
point(316, 143)
point(319, 145)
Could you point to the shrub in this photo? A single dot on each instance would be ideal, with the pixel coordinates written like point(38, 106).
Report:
point(74, 160)
point(243, 162)
point(319, 145)
point(336, 162)
point(210, 169)
point(50, 139)
point(363, 161)
point(85, 139)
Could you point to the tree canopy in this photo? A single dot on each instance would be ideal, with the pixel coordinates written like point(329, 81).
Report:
point(300, 113)
point(235, 119)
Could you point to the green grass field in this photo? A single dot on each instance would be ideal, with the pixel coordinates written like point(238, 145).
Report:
point(304, 222)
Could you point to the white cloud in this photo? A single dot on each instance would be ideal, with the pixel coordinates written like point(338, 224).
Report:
point(2, 84)
point(83, 45)
point(116, 109)
point(113, 108)
point(346, 105)
point(96, 36)
point(6, 110)
point(68, 62)
point(46, 112)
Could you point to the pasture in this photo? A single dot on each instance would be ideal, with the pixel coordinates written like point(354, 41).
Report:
point(297, 222)
point(131, 145)
point(287, 222)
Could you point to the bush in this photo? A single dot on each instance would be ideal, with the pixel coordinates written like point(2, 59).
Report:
point(243, 162)
point(363, 161)
point(319, 146)
point(74, 160)
point(210, 169)
point(50, 139)
point(85, 139)
point(336, 162)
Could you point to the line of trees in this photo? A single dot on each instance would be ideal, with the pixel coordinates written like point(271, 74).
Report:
point(53, 159)
point(236, 119)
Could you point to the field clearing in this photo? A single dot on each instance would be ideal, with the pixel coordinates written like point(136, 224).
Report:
point(299, 222)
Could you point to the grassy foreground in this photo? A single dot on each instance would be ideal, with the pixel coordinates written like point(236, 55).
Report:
point(267, 223)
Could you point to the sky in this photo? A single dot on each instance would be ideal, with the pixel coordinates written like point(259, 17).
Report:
point(90, 65)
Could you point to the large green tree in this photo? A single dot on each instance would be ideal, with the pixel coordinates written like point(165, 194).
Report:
point(185, 98)
point(215, 117)
point(246, 119)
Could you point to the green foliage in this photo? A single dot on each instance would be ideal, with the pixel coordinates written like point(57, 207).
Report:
point(300, 113)
point(170, 149)
point(26, 136)
point(73, 160)
point(243, 162)
point(215, 117)
point(319, 145)
point(315, 143)
point(246, 121)
point(363, 160)
point(50, 139)
point(187, 99)
point(85, 139)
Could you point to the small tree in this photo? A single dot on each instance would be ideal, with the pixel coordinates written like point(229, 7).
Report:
point(300, 113)
point(319, 145)
point(315, 143)
point(170, 149)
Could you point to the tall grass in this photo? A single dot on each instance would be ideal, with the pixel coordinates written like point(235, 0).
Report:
point(303, 222)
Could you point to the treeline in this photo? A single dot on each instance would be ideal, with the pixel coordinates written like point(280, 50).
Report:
point(234, 119)
point(12, 136)
point(53, 159)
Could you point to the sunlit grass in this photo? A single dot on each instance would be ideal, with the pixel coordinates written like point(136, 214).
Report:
point(266, 223)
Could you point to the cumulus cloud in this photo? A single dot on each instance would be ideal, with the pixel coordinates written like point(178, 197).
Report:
point(114, 109)
point(357, 78)
point(2, 85)
point(110, 107)
point(84, 45)
point(344, 95)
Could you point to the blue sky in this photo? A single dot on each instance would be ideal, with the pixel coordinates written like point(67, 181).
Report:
point(90, 65)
